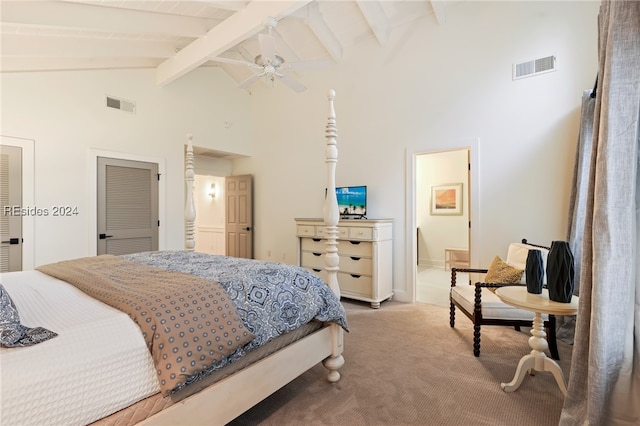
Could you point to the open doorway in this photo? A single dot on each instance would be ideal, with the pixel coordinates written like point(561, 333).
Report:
point(442, 218)
point(209, 200)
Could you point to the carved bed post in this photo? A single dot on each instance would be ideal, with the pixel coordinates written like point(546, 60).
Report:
point(331, 217)
point(190, 208)
point(331, 214)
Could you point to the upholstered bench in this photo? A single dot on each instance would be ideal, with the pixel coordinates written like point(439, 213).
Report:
point(479, 303)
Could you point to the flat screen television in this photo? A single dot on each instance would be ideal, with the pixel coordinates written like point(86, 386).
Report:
point(352, 201)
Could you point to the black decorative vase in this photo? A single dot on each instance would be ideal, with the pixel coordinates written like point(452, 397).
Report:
point(560, 272)
point(534, 271)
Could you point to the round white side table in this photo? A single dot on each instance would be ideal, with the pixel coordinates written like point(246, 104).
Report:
point(539, 304)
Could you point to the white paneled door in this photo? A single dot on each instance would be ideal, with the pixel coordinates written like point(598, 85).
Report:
point(127, 206)
point(239, 216)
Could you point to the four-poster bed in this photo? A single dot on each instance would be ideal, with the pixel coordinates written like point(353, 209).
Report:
point(269, 357)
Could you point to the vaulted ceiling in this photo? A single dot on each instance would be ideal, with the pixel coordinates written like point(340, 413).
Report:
point(175, 37)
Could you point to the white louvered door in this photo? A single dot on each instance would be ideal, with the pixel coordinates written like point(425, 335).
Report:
point(127, 206)
point(11, 207)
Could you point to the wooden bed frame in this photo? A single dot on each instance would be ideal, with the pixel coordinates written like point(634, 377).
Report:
point(227, 399)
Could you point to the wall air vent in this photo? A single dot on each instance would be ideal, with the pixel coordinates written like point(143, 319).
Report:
point(534, 67)
point(121, 104)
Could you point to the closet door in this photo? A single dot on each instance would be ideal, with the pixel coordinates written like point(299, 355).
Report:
point(10, 205)
point(127, 206)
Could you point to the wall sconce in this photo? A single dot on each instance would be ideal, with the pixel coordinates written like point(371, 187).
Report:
point(213, 191)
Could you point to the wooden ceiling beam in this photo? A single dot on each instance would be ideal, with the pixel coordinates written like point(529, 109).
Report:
point(439, 10)
point(30, 46)
point(236, 5)
point(233, 30)
point(325, 35)
point(27, 64)
point(87, 17)
point(376, 19)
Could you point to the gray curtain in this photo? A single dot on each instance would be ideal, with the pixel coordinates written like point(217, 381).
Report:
point(580, 195)
point(604, 381)
point(578, 204)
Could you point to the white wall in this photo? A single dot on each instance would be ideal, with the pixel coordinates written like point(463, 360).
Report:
point(65, 114)
point(432, 88)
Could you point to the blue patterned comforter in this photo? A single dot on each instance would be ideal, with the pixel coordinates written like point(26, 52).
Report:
point(271, 298)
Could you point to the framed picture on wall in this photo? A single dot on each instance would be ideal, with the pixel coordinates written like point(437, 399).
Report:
point(446, 199)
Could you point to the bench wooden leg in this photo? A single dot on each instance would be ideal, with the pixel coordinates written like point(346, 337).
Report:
point(452, 314)
point(476, 340)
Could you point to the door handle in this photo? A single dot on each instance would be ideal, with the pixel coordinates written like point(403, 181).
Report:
point(12, 241)
point(104, 236)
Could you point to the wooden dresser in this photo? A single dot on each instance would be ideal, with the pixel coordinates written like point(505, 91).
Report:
point(365, 247)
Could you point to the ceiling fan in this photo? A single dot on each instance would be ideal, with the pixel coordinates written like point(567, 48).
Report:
point(270, 65)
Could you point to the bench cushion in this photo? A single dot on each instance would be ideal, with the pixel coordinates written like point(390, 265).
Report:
point(492, 306)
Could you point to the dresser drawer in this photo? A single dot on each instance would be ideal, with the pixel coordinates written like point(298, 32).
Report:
point(356, 265)
point(343, 232)
point(320, 272)
point(306, 230)
point(313, 260)
point(313, 244)
point(360, 233)
point(355, 248)
point(365, 250)
point(356, 284)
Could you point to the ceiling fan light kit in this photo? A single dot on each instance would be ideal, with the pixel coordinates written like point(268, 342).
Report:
point(268, 64)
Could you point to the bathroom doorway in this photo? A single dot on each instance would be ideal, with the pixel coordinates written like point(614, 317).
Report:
point(442, 217)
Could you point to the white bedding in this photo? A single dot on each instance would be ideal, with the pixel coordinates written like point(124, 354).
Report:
point(98, 363)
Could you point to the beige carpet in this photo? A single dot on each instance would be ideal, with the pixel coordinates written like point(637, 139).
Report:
point(405, 365)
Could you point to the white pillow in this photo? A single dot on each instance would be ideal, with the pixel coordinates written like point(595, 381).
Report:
point(517, 257)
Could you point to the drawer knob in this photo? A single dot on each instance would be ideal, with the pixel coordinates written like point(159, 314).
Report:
point(355, 258)
point(355, 243)
point(355, 276)
point(317, 254)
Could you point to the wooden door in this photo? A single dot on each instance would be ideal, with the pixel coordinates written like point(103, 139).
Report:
point(239, 216)
point(11, 208)
point(127, 206)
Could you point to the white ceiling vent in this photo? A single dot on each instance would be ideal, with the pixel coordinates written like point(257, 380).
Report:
point(121, 104)
point(534, 67)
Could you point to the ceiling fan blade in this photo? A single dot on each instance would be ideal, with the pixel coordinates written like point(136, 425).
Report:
point(305, 65)
point(267, 48)
point(292, 83)
point(235, 62)
point(248, 82)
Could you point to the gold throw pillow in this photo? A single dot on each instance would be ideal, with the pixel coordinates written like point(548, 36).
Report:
point(502, 272)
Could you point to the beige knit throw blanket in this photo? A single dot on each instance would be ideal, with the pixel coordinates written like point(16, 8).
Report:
point(188, 323)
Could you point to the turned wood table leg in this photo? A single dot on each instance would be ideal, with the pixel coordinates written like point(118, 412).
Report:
point(526, 364)
point(537, 360)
